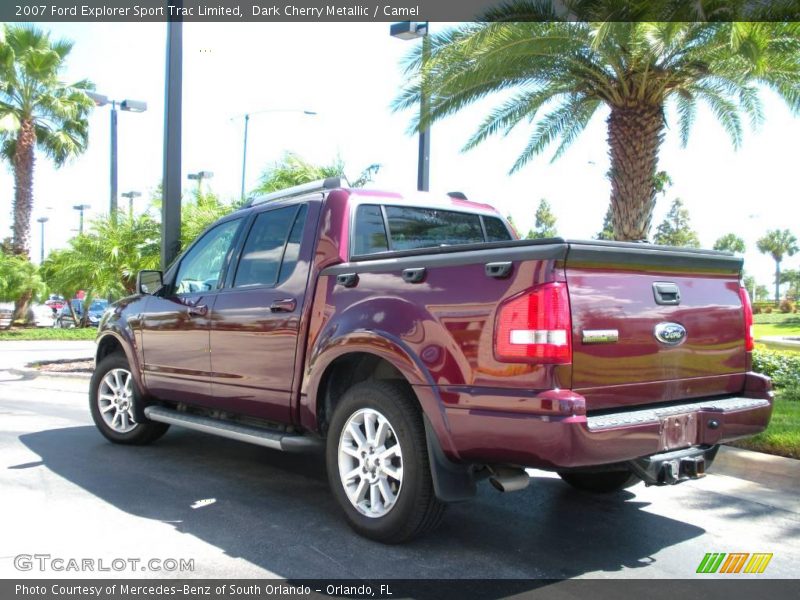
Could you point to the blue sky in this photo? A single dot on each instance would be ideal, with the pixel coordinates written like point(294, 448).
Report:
point(349, 74)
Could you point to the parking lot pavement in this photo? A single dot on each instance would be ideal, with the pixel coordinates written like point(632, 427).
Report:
point(244, 511)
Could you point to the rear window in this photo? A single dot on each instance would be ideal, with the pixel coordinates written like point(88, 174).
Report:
point(411, 227)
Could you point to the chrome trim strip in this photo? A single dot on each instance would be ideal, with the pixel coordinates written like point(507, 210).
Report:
point(600, 336)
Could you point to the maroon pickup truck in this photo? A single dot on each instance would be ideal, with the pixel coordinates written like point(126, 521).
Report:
point(425, 349)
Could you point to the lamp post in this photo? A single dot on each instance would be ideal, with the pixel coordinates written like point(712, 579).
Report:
point(130, 196)
point(199, 177)
point(80, 208)
point(42, 220)
point(171, 182)
point(127, 105)
point(411, 30)
point(247, 116)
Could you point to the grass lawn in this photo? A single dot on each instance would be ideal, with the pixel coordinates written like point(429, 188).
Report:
point(776, 324)
point(47, 333)
point(782, 437)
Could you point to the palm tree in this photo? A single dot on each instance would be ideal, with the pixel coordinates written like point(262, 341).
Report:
point(559, 74)
point(37, 111)
point(104, 261)
point(778, 243)
point(730, 242)
point(294, 170)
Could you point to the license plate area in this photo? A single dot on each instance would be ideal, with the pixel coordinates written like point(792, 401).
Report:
point(678, 431)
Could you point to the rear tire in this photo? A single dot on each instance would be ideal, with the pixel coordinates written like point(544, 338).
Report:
point(112, 396)
point(378, 465)
point(602, 482)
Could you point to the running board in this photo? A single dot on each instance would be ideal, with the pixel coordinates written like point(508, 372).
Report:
point(277, 440)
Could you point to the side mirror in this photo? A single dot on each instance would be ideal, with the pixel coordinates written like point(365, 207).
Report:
point(149, 282)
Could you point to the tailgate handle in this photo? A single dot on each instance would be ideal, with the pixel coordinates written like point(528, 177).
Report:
point(414, 275)
point(666, 293)
point(498, 270)
point(347, 280)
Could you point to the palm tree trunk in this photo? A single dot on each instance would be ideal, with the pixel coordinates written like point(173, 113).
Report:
point(23, 202)
point(777, 282)
point(634, 137)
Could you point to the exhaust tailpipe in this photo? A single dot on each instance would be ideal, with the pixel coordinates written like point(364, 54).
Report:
point(509, 479)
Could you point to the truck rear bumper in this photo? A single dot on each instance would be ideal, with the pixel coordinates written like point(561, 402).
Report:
point(552, 442)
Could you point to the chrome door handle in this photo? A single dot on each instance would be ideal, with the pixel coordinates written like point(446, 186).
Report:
point(285, 305)
point(198, 310)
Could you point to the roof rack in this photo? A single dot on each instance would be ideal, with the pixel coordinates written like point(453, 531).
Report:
point(331, 183)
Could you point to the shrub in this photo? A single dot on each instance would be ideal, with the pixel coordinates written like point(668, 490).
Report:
point(768, 310)
point(786, 306)
point(782, 367)
point(756, 310)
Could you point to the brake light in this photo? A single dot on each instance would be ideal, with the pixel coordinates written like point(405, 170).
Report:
point(535, 327)
point(749, 343)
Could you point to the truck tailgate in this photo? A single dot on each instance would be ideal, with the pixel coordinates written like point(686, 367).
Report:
point(654, 324)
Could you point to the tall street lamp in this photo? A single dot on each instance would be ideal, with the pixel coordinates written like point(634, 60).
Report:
point(127, 105)
point(130, 196)
point(412, 30)
point(42, 220)
point(80, 208)
point(199, 177)
point(247, 116)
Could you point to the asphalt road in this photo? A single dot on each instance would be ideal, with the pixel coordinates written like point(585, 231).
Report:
point(243, 511)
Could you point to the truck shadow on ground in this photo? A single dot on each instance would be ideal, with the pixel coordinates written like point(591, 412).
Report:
point(275, 511)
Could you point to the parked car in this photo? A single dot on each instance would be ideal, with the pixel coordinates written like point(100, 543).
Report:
point(426, 349)
point(96, 308)
point(55, 301)
point(42, 315)
point(6, 314)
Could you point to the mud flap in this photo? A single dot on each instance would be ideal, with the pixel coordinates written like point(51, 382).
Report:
point(452, 482)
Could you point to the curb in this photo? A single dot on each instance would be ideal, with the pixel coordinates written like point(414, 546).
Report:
point(28, 372)
point(776, 472)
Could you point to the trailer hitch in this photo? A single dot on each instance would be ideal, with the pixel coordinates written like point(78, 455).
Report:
point(669, 468)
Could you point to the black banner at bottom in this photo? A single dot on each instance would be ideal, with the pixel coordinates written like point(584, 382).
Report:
point(397, 589)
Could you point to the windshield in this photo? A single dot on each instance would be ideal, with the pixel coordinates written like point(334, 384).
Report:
point(99, 305)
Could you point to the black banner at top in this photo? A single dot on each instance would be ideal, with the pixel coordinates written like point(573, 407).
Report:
point(232, 11)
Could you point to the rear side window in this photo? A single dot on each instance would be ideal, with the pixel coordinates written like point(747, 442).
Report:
point(496, 230)
point(263, 251)
point(370, 231)
point(292, 252)
point(411, 228)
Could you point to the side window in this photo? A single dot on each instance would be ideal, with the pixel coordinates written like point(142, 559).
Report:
point(263, 250)
point(292, 251)
point(201, 267)
point(496, 231)
point(427, 228)
point(370, 232)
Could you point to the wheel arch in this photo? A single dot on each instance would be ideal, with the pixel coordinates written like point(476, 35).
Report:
point(354, 363)
point(110, 342)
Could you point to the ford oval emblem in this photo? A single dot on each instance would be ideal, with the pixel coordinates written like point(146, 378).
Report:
point(671, 334)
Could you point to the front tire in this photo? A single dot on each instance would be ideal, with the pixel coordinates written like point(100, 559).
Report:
point(378, 465)
point(602, 482)
point(112, 396)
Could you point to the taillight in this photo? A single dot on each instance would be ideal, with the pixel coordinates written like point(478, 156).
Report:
point(535, 327)
point(749, 343)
